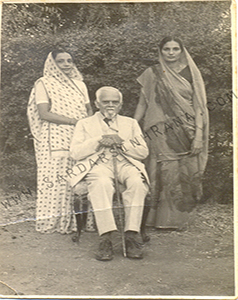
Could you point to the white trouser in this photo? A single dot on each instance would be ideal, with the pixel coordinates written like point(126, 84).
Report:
point(101, 190)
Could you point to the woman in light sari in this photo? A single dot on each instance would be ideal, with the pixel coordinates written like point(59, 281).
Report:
point(173, 104)
point(58, 100)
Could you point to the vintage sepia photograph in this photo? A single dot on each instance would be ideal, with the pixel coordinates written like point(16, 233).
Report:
point(117, 149)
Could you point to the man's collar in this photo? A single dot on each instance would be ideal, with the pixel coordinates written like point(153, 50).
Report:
point(101, 115)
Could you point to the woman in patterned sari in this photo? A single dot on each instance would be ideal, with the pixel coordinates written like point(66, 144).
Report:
point(173, 104)
point(58, 100)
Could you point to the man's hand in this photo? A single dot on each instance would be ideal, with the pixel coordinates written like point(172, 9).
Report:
point(111, 140)
point(106, 142)
point(117, 140)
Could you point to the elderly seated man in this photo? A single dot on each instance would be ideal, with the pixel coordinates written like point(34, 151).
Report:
point(93, 145)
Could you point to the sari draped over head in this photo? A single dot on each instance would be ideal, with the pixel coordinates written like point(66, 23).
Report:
point(172, 102)
point(176, 108)
point(66, 99)
point(55, 198)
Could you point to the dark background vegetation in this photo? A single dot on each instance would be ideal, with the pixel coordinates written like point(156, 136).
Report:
point(112, 44)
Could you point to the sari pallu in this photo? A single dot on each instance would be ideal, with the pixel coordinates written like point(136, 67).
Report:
point(54, 209)
point(169, 126)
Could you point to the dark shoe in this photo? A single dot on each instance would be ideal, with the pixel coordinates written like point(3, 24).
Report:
point(105, 251)
point(133, 248)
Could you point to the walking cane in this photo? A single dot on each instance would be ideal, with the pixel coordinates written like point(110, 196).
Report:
point(114, 159)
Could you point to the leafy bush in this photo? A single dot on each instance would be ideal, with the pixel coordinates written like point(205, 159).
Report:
point(112, 44)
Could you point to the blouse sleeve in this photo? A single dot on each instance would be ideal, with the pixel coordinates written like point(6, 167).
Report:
point(83, 88)
point(41, 94)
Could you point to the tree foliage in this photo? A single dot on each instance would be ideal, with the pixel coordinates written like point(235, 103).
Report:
point(112, 44)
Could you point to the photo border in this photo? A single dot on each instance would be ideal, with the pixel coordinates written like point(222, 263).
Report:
point(234, 11)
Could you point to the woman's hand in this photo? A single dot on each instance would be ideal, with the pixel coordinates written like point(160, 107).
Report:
point(197, 146)
point(73, 121)
point(46, 115)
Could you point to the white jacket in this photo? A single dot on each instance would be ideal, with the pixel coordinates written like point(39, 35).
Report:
point(87, 134)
